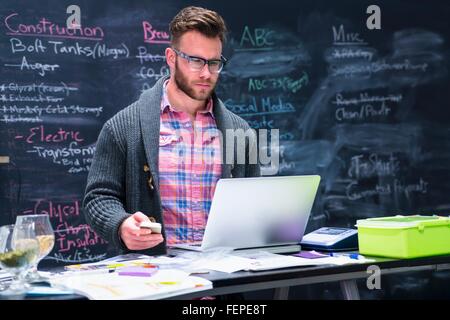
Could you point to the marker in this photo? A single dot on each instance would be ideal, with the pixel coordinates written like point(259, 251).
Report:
point(168, 282)
point(115, 265)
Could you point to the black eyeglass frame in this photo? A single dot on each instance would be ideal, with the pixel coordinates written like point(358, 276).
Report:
point(189, 58)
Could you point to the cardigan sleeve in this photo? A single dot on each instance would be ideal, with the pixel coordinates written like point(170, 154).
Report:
point(105, 194)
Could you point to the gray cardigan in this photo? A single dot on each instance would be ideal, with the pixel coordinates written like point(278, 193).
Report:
point(124, 178)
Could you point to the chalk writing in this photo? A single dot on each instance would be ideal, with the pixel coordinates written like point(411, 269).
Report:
point(365, 112)
point(58, 109)
point(356, 192)
point(365, 97)
point(340, 37)
point(21, 98)
point(368, 69)
point(150, 73)
point(373, 165)
point(258, 38)
point(40, 68)
point(350, 53)
point(40, 134)
point(17, 118)
point(40, 88)
point(152, 35)
point(44, 27)
point(77, 256)
point(70, 237)
point(284, 83)
point(59, 211)
point(144, 56)
point(76, 49)
point(264, 105)
point(57, 153)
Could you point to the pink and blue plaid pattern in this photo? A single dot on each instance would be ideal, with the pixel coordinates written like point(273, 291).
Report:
point(189, 167)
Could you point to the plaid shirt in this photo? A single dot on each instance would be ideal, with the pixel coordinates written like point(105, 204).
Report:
point(189, 168)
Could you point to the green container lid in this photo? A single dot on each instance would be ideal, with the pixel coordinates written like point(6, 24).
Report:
point(404, 222)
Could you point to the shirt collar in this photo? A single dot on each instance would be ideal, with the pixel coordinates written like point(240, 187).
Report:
point(165, 104)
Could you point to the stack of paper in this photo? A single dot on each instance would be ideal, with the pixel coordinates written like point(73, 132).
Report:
point(112, 286)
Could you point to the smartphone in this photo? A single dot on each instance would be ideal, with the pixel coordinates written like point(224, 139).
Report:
point(154, 226)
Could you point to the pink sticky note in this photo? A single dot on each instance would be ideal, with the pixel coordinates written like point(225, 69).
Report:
point(137, 271)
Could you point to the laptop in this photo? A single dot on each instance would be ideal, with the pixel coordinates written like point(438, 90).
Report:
point(263, 213)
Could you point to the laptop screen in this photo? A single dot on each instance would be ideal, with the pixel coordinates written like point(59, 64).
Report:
point(260, 212)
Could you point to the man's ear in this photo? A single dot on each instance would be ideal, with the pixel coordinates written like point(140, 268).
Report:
point(170, 57)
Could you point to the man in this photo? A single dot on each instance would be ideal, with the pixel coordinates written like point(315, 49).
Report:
point(161, 157)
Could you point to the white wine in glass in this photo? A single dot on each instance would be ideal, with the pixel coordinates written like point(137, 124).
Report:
point(45, 236)
point(18, 251)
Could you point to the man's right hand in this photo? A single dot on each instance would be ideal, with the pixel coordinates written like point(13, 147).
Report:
point(136, 238)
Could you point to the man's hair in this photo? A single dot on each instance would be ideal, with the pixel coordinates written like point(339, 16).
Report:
point(207, 22)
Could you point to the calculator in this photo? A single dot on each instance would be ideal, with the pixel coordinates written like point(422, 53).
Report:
point(331, 239)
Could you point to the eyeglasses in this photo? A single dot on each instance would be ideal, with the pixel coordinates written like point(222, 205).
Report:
point(197, 63)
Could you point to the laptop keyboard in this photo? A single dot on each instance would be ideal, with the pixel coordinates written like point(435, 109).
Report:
point(195, 244)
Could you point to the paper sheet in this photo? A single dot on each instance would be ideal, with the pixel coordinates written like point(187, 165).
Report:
point(165, 283)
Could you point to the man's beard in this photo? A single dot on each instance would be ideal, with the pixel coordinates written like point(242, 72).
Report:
point(183, 85)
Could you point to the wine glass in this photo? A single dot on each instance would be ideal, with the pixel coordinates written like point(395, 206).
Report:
point(45, 236)
point(19, 250)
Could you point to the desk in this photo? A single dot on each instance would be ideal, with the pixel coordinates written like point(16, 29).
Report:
point(282, 279)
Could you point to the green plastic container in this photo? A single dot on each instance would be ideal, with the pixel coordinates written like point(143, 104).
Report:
point(404, 236)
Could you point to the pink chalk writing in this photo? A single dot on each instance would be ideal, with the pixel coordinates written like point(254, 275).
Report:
point(46, 28)
point(75, 237)
point(40, 134)
point(58, 211)
point(154, 36)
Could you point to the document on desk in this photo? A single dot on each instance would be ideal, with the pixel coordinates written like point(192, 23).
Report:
point(261, 261)
point(4, 275)
point(47, 291)
point(111, 263)
point(256, 261)
point(267, 261)
point(112, 286)
point(228, 264)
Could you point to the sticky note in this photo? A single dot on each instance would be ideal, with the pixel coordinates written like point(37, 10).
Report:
point(137, 271)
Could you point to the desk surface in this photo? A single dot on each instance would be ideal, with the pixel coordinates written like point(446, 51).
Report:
point(242, 281)
point(223, 279)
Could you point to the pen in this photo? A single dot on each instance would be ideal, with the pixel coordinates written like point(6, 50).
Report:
point(84, 272)
point(354, 256)
point(199, 272)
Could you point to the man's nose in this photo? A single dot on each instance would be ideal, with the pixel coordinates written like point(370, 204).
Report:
point(205, 73)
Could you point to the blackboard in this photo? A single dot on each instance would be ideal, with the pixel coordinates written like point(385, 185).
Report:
point(368, 110)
